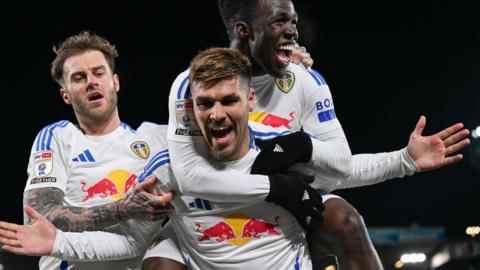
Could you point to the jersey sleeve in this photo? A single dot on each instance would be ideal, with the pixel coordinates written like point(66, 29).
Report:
point(331, 148)
point(369, 169)
point(195, 174)
point(331, 157)
point(93, 246)
point(46, 166)
point(133, 241)
point(319, 114)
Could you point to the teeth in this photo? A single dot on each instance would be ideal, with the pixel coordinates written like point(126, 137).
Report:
point(286, 47)
point(220, 128)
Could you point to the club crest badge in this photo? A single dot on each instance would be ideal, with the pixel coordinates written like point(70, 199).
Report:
point(141, 149)
point(285, 82)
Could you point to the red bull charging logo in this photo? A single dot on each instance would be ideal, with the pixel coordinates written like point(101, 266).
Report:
point(238, 229)
point(115, 185)
point(272, 120)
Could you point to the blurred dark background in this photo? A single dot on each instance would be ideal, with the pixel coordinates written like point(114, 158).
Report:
point(386, 64)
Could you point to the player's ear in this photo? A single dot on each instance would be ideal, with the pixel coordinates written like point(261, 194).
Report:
point(116, 82)
point(242, 30)
point(251, 99)
point(65, 96)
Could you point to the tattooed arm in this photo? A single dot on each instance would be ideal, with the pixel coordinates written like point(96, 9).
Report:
point(137, 204)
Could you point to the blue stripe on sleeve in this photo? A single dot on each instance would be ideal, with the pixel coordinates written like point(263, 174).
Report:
point(147, 173)
point(179, 91)
point(319, 76)
point(47, 132)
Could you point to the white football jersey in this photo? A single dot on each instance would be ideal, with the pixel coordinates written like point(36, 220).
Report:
point(92, 170)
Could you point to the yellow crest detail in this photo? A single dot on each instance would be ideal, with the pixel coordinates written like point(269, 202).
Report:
point(140, 149)
point(286, 82)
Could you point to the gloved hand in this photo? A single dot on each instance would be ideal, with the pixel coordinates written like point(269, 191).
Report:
point(293, 192)
point(280, 153)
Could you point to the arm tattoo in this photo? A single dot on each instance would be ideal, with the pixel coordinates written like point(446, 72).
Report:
point(49, 202)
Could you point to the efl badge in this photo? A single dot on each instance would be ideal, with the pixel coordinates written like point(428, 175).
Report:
point(140, 149)
point(184, 114)
point(42, 163)
point(285, 82)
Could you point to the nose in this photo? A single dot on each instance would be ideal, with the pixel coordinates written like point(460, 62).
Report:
point(291, 31)
point(217, 113)
point(92, 80)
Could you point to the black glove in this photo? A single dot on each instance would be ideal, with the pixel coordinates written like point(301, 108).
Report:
point(293, 192)
point(280, 153)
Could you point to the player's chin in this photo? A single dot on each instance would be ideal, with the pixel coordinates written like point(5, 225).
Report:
point(279, 67)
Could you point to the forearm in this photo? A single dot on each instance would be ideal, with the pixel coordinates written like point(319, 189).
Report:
point(369, 169)
point(49, 202)
point(197, 177)
point(93, 246)
point(331, 159)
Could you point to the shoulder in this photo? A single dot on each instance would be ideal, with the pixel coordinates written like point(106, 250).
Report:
point(150, 127)
point(306, 75)
point(181, 87)
point(60, 129)
point(153, 132)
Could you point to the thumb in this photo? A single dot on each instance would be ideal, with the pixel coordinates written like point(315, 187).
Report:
point(147, 184)
point(420, 126)
point(31, 212)
point(166, 198)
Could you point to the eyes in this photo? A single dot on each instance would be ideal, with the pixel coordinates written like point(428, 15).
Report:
point(281, 21)
point(204, 104)
point(82, 76)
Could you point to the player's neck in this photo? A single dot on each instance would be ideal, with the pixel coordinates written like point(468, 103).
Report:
point(99, 128)
point(243, 47)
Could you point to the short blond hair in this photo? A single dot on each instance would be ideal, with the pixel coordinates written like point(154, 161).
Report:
point(216, 64)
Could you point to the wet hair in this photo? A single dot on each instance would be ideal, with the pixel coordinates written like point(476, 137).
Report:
point(216, 64)
point(78, 44)
point(233, 11)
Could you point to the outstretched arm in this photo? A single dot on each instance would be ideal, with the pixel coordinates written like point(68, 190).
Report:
point(42, 238)
point(422, 153)
point(35, 239)
point(438, 150)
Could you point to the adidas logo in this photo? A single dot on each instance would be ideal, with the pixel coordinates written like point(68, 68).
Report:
point(278, 149)
point(86, 156)
point(305, 196)
point(200, 204)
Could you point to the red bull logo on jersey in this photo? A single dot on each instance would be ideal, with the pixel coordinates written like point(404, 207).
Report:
point(238, 229)
point(42, 163)
point(272, 120)
point(140, 149)
point(285, 82)
point(115, 185)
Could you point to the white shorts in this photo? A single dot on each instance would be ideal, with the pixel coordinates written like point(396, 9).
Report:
point(165, 245)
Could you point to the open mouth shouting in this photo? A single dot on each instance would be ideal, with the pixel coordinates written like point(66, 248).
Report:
point(283, 54)
point(221, 135)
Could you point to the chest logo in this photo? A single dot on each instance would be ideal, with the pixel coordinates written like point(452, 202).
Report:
point(285, 82)
point(85, 156)
point(238, 229)
point(141, 149)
